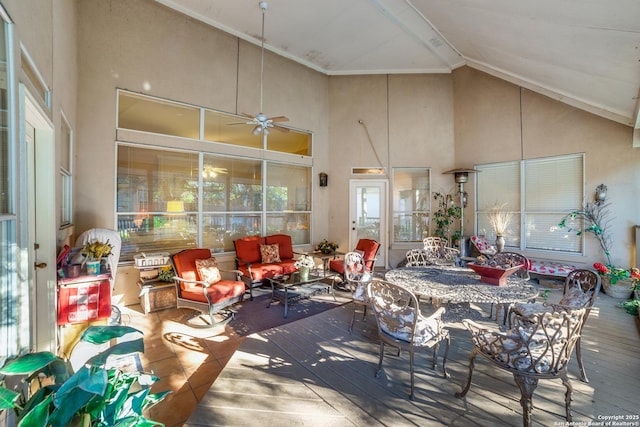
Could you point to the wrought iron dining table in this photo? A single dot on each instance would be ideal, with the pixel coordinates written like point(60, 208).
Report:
point(443, 283)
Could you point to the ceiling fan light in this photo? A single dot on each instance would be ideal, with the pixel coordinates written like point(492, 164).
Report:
point(265, 131)
point(257, 130)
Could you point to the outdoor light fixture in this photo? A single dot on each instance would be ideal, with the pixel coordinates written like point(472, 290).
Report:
point(461, 176)
point(324, 179)
point(601, 193)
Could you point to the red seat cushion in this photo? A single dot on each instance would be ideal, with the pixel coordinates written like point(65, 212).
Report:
point(284, 243)
point(370, 249)
point(185, 263)
point(220, 291)
point(337, 265)
point(248, 249)
point(261, 271)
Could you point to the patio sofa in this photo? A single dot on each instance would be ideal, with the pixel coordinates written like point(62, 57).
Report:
point(259, 258)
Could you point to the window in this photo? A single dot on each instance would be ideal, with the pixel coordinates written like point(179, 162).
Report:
point(539, 192)
point(167, 199)
point(66, 175)
point(411, 204)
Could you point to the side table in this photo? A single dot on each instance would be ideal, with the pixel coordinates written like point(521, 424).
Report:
point(156, 295)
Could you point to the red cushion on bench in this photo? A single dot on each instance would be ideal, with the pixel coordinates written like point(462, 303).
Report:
point(285, 245)
point(248, 249)
point(220, 291)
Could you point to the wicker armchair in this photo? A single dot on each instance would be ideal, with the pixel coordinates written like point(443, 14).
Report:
point(401, 325)
point(581, 288)
point(534, 349)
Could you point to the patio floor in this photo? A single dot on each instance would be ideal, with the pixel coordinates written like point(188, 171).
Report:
point(314, 372)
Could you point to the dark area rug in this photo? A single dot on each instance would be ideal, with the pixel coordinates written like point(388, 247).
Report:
point(254, 316)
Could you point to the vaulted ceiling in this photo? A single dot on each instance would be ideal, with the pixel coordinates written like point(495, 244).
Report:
point(585, 53)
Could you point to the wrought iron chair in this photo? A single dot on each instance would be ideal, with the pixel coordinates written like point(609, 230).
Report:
point(437, 251)
point(581, 288)
point(368, 248)
point(417, 258)
point(510, 259)
point(401, 325)
point(531, 350)
point(200, 286)
point(357, 277)
point(483, 246)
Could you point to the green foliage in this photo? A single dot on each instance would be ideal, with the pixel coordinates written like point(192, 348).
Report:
point(445, 216)
point(104, 396)
point(592, 218)
point(631, 306)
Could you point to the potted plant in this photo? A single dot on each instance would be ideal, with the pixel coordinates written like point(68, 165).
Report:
point(94, 253)
point(594, 218)
point(445, 216)
point(326, 247)
point(95, 395)
point(499, 218)
point(304, 264)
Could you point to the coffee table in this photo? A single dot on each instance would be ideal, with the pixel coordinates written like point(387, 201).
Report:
point(290, 288)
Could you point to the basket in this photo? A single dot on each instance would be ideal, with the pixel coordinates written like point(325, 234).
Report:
point(157, 259)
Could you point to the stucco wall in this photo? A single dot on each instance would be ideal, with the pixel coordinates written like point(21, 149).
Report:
point(498, 121)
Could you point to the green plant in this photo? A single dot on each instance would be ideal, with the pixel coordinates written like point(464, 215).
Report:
point(94, 395)
point(326, 246)
point(96, 250)
point(631, 306)
point(592, 218)
point(444, 217)
point(166, 274)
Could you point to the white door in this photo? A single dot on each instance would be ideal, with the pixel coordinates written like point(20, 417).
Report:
point(41, 208)
point(368, 214)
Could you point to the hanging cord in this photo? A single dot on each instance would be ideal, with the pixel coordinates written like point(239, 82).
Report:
point(364, 125)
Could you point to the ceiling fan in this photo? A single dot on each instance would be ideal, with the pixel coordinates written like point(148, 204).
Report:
point(261, 121)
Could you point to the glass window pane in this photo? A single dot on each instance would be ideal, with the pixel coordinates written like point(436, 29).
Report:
point(149, 179)
point(229, 129)
point(66, 201)
point(499, 184)
point(296, 225)
point(293, 141)
point(553, 184)
point(288, 187)
point(65, 146)
point(543, 233)
point(231, 184)
point(411, 204)
point(220, 230)
point(156, 233)
point(143, 113)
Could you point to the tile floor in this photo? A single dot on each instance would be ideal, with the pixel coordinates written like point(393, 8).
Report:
point(187, 360)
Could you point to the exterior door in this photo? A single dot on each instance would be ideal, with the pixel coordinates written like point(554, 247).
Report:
point(41, 214)
point(368, 214)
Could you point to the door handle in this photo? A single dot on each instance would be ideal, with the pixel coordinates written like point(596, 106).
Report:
point(40, 265)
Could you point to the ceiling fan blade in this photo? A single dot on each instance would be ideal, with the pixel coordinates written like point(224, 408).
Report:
point(241, 123)
point(279, 119)
point(249, 116)
point(280, 128)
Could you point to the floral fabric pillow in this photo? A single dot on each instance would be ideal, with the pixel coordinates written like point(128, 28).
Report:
point(208, 270)
point(270, 253)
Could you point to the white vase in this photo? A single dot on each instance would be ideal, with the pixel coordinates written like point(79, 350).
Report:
point(500, 243)
point(304, 273)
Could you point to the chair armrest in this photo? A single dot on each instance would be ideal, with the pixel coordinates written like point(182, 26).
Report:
point(244, 262)
point(195, 282)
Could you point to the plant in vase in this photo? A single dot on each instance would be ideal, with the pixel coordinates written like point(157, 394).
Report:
point(304, 264)
point(499, 218)
point(445, 216)
point(94, 252)
point(594, 219)
point(326, 247)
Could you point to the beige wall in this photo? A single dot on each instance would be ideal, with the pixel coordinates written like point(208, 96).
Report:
point(436, 121)
point(497, 121)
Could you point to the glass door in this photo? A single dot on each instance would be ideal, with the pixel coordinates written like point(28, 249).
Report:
point(368, 214)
